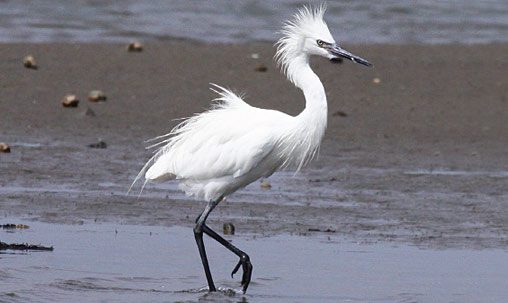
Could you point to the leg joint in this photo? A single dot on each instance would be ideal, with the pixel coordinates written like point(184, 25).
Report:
point(244, 258)
point(198, 229)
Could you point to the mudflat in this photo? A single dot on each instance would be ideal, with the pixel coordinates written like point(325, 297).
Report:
point(415, 150)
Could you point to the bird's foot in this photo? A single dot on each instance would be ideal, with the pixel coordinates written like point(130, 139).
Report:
point(247, 271)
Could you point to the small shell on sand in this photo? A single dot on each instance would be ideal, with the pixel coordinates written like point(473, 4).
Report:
point(29, 62)
point(100, 144)
point(135, 47)
point(70, 101)
point(96, 96)
point(339, 113)
point(336, 60)
point(228, 229)
point(261, 68)
point(376, 80)
point(265, 184)
point(4, 148)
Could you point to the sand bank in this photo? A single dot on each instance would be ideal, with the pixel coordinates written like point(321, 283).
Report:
point(415, 149)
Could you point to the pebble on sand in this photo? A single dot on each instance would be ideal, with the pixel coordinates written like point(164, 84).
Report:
point(70, 101)
point(265, 184)
point(261, 68)
point(96, 96)
point(4, 148)
point(29, 62)
point(339, 113)
point(228, 229)
point(337, 60)
point(100, 144)
point(135, 47)
point(376, 80)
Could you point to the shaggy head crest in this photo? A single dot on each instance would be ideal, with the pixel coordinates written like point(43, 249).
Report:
point(301, 32)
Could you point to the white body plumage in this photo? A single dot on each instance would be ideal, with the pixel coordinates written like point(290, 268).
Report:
point(216, 152)
point(230, 146)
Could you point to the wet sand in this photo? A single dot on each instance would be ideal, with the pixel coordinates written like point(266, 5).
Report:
point(418, 157)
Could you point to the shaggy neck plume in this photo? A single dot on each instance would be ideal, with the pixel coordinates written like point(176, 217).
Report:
point(302, 143)
point(310, 124)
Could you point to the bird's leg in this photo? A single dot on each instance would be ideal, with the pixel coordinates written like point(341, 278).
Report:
point(201, 228)
point(244, 258)
point(198, 235)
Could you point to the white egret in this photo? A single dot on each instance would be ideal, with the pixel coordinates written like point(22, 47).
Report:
point(214, 153)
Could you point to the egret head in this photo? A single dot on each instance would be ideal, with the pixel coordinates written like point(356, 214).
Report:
point(307, 34)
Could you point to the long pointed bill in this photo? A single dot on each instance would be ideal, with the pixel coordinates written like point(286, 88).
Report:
point(342, 53)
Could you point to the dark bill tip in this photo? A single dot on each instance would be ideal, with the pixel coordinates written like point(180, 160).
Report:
point(361, 61)
point(342, 53)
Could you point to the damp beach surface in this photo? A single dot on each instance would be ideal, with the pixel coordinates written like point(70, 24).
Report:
point(405, 203)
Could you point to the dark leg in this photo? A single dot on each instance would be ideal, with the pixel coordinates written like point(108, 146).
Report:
point(198, 234)
point(204, 260)
point(201, 228)
point(244, 258)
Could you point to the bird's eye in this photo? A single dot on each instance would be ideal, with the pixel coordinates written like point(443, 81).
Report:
point(321, 43)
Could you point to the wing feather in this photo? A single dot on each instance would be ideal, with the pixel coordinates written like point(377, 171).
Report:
point(229, 140)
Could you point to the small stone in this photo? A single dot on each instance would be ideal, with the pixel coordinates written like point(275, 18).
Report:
point(339, 113)
point(29, 62)
point(336, 60)
point(100, 144)
point(135, 47)
point(228, 229)
point(376, 80)
point(261, 68)
point(70, 101)
point(4, 148)
point(96, 96)
point(254, 56)
point(265, 184)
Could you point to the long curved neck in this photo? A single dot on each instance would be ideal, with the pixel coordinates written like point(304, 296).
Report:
point(300, 73)
point(311, 122)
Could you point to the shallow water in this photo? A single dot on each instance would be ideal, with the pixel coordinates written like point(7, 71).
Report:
point(127, 263)
point(362, 21)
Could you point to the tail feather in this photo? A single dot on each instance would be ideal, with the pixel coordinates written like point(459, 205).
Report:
point(141, 173)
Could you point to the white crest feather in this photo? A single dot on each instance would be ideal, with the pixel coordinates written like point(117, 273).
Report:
point(307, 21)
